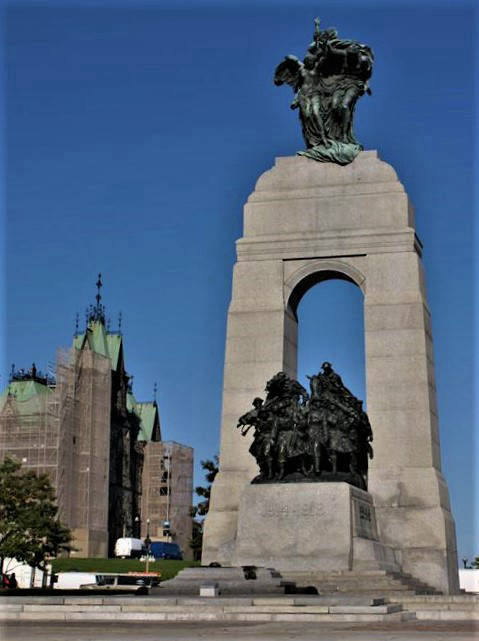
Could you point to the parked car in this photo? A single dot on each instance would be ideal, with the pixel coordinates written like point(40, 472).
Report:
point(128, 547)
point(161, 550)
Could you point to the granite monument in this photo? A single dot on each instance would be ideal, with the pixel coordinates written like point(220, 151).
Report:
point(332, 212)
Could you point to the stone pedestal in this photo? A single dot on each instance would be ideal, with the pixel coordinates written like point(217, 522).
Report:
point(307, 222)
point(303, 527)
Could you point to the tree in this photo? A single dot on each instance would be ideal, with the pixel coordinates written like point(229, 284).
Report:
point(196, 542)
point(475, 563)
point(211, 469)
point(29, 527)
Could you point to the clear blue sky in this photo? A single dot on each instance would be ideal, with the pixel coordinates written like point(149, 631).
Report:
point(133, 134)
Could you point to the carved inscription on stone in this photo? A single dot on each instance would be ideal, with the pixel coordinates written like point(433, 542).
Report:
point(365, 512)
point(293, 512)
point(364, 519)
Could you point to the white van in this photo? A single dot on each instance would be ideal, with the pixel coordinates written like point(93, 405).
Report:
point(129, 548)
point(73, 580)
point(134, 582)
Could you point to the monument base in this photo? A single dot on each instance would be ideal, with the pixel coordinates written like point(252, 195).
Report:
point(308, 527)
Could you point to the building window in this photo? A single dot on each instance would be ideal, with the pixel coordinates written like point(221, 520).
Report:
point(164, 477)
point(164, 491)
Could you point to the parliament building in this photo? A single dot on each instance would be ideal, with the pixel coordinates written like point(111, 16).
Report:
point(100, 447)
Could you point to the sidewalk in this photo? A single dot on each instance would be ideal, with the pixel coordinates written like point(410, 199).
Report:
point(407, 631)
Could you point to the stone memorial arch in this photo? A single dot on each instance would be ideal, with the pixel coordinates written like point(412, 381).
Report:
point(304, 223)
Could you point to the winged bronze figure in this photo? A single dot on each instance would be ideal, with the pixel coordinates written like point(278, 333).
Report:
point(326, 86)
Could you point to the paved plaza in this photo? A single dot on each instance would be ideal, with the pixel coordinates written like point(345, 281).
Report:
point(410, 631)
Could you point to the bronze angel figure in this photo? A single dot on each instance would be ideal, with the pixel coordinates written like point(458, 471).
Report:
point(327, 85)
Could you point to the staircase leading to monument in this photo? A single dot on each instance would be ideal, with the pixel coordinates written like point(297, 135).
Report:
point(231, 581)
point(267, 581)
point(259, 595)
point(333, 608)
point(360, 582)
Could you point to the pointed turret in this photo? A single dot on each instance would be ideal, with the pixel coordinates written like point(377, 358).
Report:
point(96, 313)
point(98, 337)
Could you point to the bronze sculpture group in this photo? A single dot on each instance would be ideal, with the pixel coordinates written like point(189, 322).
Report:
point(327, 85)
point(321, 436)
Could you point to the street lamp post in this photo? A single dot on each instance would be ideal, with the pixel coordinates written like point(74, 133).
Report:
point(167, 530)
point(147, 544)
point(137, 531)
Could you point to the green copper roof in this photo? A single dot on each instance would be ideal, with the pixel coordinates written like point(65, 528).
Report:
point(23, 391)
point(101, 342)
point(114, 343)
point(147, 413)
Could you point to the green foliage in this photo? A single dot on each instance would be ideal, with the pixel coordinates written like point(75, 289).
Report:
point(29, 528)
point(196, 542)
point(475, 563)
point(168, 568)
point(211, 469)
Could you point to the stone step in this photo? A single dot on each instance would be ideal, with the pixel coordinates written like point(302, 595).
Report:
point(463, 607)
point(266, 581)
point(452, 607)
point(351, 586)
point(390, 597)
point(258, 617)
point(230, 581)
point(262, 610)
point(339, 599)
point(232, 574)
point(324, 608)
point(382, 581)
point(15, 603)
point(358, 574)
point(230, 588)
point(354, 575)
point(444, 600)
point(352, 581)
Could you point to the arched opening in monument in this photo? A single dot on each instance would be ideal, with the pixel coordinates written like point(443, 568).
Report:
point(330, 312)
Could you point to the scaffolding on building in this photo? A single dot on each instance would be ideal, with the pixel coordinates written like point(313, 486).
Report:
point(65, 393)
point(98, 446)
point(90, 401)
point(168, 492)
point(29, 426)
point(61, 427)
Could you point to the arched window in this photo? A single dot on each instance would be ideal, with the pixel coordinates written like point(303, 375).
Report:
point(331, 328)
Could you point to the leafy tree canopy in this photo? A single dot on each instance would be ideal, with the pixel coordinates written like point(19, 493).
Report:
point(211, 470)
point(29, 528)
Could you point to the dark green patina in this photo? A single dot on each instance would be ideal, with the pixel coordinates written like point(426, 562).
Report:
point(327, 85)
point(301, 437)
